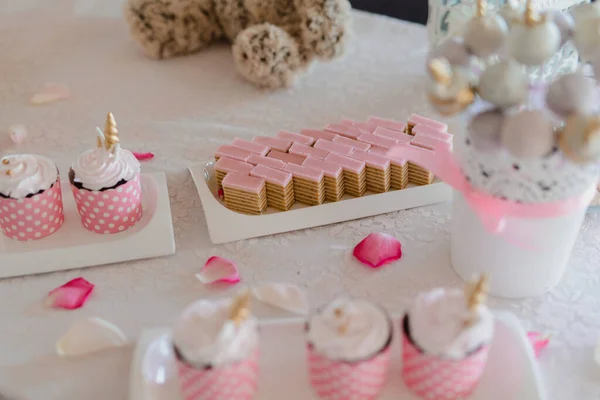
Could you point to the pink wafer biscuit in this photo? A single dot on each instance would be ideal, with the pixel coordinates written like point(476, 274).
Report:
point(274, 143)
point(387, 123)
point(270, 175)
point(344, 130)
point(371, 159)
point(338, 380)
point(253, 147)
point(244, 183)
point(317, 134)
point(237, 381)
point(296, 137)
point(425, 130)
point(306, 151)
point(310, 174)
point(378, 141)
point(416, 119)
point(429, 143)
point(353, 143)
point(363, 126)
point(270, 162)
point(399, 137)
point(394, 159)
point(329, 169)
point(32, 218)
point(432, 377)
point(287, 157)
point(334, 147)
point(233, 152)
point(348, 164)
point(227, 164)
point(110, 211)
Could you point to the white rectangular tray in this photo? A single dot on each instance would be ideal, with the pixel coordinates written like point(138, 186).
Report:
point(73, 246)
point(512, 369)
point(225, 225)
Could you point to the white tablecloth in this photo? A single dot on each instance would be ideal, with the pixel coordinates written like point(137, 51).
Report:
point(181, 110)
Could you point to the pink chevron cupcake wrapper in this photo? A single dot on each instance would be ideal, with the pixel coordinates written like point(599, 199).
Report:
point(33, 218)
point(338, 380)
point(110, 211)
point(237, 381)
point(433, 378)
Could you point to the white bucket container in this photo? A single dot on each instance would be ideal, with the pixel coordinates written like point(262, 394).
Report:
point(514, 271)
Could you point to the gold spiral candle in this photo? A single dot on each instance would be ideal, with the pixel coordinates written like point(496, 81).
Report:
point(111, 134)
point(476, 295)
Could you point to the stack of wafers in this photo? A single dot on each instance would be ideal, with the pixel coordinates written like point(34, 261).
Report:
point(244, 193)
point(354, 172)
point(309, 184)
point(399, 174)
point(419, 175)
point(334, 177)
point(279, 185)
point(377, 169)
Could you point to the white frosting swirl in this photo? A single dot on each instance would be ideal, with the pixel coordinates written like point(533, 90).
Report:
point(25, 174)
point(349, 330)
point(204, 334)
point(98, 168)
point(437, 324)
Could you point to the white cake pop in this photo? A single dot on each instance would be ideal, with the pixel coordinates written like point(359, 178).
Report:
point(535, 40)
point(451, 90)
point(580, 138)
point(586, 35)
point(485, 128)
point(452, 49)
point(565, 24)
point(528, 134)
point(572, 92)
point(485, 33)
point(504, 84)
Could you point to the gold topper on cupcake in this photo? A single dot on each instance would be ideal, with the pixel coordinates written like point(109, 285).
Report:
point(240, 309)
point(476, 295)
point(109, 139)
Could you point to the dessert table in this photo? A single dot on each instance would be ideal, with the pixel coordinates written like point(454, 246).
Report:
point(181, 110)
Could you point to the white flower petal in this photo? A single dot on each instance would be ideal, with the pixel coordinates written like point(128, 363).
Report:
point(282, 295)
point(88, 336)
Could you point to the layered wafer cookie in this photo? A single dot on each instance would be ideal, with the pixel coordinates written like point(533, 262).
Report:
point(317, 134)
point(344, 130)
point(363, 126)
point(296, 138)
point(286, 157)
point(425, 130)
point(417, 174)
point(378, 141)
point(226, 165)
point(253, 147)
point(429, 142)
point(334, 147)
point(416, 119)
point(309, 184)
point(378, 171)
point(355, 173)
point(387, 123)
point(334, 177)
point(306, 151)
point(270, 162)
point(245, 194)
point(230, 151)
point(279, 185)
point(398, 168)
point(274, 143)
point(351, 142)
point(399, 137)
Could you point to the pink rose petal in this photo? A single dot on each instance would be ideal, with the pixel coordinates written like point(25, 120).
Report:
point(143, 156)
point(221, 194)
point(219, 269)
point(538, 341)
point(50, 93)
point(17, 133)
point(71, 295)
point(378, 249)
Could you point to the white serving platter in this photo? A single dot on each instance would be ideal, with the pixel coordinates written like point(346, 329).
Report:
point(225, 225)
point(73, 246)
point(511, 373)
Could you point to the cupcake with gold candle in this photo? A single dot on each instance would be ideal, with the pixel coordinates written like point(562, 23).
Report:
point(106, 184)
point(446, 338)
point(216, 344)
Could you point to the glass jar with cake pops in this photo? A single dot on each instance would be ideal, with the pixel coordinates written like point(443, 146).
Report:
point(526, 167)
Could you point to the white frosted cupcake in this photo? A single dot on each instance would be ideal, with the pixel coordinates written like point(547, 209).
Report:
point(446, 338)
point(106, 184)
point(30, 197)
point(216, 343)
point(349, 349)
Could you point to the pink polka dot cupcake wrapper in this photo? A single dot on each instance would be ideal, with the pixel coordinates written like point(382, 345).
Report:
point(110, 211)
point(433, 378)
point(33, 218)
point(336, 380)
point(237, 381)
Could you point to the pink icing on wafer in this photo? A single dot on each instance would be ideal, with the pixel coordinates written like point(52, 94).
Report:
point(416, 119)
point(233, 152)
point(380, 151)
point(273, 142)
point(426, 130)
point(251, 146)
point(296, 137)
point(392, 134)
point(353, 143)
point(317, 134)
point(363, 126)
point(379, 141)
point(270, 162)
point(242, 182)
point(309, 173)
point(306, 151)
point(227, 164)
point(271, 175)
point(330, 169)
point(286, 157)
point(371, 159)
point(334, 147)
point(347, 131)
point(387, 123)
point(428, 142)
point(347, 163)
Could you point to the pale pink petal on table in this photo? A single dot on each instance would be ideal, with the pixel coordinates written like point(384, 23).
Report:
point(17, 133)
point(378, 249)
point(143, 156)
point(50, 93)
point(219, 269)
point(538, 341)
point(71, 295)
point(284, 296)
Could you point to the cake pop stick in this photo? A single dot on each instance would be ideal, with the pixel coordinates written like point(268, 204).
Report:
point(476, 294)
